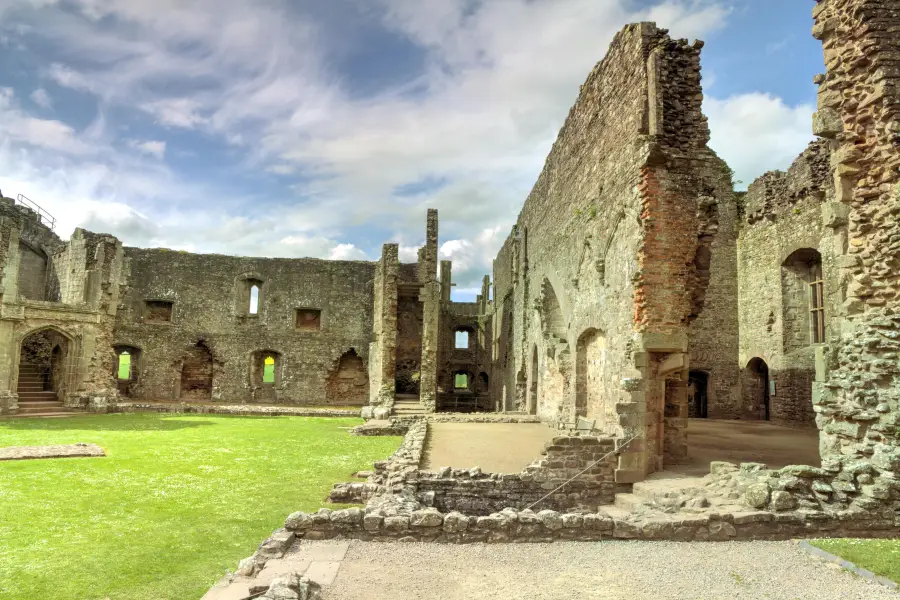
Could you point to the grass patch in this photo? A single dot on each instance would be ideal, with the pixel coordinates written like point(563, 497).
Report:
point(177, 501)
point(882, 557)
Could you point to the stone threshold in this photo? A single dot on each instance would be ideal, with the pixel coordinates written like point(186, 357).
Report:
point(79, 450)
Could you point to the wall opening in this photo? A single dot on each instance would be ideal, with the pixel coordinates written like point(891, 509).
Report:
point(254, 299)
point(460, 381)
point(158, 311)
point(408, 356)
point(197, 373)
point(309, 319)
point(43, 365)
point(756, 389)
point(348, 382)
point(803, 301)
point(126, 368)
point(698, 399)
point(590, 362)
point(552, 321)
point(37, 280)
point(265, 375)
point(531, 400)
point(461, 339)
point(483, 383)
point(269, 370)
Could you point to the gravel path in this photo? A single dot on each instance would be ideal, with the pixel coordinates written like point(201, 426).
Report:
point(607, 570)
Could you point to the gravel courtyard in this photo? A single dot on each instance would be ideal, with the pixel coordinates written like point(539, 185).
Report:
point(608, 570)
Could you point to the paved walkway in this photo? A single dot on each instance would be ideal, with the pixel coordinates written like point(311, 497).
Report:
point(614, 570)
point(495, 447)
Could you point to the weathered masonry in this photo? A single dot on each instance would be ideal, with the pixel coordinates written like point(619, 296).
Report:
point(636, 289)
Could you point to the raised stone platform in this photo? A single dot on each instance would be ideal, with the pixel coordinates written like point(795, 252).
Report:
point(54, 451)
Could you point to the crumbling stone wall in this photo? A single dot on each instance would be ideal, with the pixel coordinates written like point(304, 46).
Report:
point(785, 215)
point(77, 304)
point(857, 390)
point(587, 463)
point(205, 314)
point(617, 234)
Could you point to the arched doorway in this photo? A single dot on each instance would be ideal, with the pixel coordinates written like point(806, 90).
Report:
point(698, 398)
point(756, 389)
point(43, 370)
point(532, 394)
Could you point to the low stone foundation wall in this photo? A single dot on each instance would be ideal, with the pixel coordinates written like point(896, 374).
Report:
point(431, 525)
point(230, 409)
point(476, 493)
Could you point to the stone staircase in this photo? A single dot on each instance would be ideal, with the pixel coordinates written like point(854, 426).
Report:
point(408, 405)
point(665, 489)
point(34, 401)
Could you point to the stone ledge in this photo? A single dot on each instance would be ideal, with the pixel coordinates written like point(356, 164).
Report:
point(231, 409)
point(54, 451)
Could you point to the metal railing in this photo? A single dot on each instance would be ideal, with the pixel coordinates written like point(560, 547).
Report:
point(46, 218)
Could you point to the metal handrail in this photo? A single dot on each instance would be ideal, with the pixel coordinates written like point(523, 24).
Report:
point(46, 218)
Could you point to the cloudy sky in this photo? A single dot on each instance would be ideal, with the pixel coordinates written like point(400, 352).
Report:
point(325, 128)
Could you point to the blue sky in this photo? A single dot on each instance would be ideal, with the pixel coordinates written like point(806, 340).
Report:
point(326, 128)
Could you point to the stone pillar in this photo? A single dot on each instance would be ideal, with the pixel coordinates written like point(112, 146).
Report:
point(446, 280)
point(430, 295)
point(383, 349)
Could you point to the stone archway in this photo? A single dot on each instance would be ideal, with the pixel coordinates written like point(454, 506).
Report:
point(43, 370)
point(756, 397)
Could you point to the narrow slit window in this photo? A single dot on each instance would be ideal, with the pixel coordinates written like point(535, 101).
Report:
point(816, 304)
point(269, 370)
point(462, 339)
point(254, 299)
point(124, 371)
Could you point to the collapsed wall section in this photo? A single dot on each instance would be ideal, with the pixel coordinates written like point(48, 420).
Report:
point(857, 389)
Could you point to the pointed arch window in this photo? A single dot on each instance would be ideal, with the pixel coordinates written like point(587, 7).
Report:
point(254, 299)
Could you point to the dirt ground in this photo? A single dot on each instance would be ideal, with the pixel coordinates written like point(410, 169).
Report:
point(509, 447)
point(495, 447)
point(747, 441)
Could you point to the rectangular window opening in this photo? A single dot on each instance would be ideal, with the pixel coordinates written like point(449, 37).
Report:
point(462, 340)
point(124, 371)
point(461, 381)
point(158, 311)
point(269, 370)
point(817, 305)
point(309, 319)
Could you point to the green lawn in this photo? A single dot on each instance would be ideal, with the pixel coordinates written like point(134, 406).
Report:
point(882, 557)
point(177, 501)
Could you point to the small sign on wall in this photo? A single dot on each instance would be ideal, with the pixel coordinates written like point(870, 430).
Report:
point(771, 389)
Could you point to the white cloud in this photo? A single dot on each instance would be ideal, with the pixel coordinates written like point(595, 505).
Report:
point(755, 133)
point(480, 117)
point(152, 147)
point(347, 252)
point(42, 98)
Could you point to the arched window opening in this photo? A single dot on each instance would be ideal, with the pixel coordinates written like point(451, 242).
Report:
point(269, 370)
point(803, 300)
point(124, 371)
point(254, 299)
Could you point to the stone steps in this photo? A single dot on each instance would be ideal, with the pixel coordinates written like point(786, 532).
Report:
point(628, 502)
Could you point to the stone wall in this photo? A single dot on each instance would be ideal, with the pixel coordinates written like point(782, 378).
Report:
point(73, 299)
point(615, 240)
point(784, 215)
point(586, 466)
point(207, 351)
point(857, 389)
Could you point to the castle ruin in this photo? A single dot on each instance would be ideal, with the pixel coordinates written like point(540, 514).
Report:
point(636, 289)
